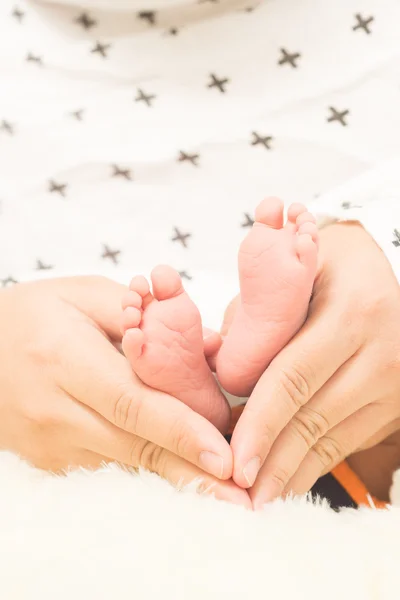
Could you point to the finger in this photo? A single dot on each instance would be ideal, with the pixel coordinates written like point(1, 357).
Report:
point(212, 343)
point(292, 378)
point(64, 460)
point(104, 381)
point(180, 473)
point(212, 362)
point(81, 459)
point(337, 400)
point(380, 435)
point(343, 440)
point(107, 440)
point(99, 298)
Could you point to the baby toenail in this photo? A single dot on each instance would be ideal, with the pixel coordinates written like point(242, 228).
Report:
point(250, 471)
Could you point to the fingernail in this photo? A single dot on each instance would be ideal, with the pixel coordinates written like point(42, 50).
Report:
point(250, 471)
point(212, 463)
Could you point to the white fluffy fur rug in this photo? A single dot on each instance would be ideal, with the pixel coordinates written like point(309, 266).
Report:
point(111, 534)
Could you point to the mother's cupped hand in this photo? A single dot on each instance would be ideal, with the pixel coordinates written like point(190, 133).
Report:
point(335, 388)
point(68, 397)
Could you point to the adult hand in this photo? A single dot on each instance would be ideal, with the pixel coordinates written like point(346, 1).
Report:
point(68, 397)
point(335, 388)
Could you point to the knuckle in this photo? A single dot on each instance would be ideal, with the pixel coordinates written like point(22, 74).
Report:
point(328, 450)
point(127, 411)
point(310, 425)
point(149, 456)
point(280, 478)
point(295, 385)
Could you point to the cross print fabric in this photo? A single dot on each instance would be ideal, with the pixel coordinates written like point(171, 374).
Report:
point(135, 132)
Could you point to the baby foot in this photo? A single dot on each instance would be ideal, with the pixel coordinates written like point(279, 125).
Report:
point(277, 268)
point(163, 341)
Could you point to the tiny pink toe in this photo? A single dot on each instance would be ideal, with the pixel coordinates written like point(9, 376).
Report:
point(132, 299)
point(294, 211)
point(131, 317)
point(167, 282)
point(305, 217)
point(309, 228)
point(306, 251)
point(270, 212)
point(140, 285)
point(132, 344)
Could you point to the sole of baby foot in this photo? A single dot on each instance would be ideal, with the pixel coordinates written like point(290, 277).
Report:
point(277, 268)
point(163, 341)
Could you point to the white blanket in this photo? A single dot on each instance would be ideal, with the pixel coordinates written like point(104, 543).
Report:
point(111, 534)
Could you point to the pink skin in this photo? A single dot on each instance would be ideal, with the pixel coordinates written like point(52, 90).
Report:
point(277, 268)
point(163, 341)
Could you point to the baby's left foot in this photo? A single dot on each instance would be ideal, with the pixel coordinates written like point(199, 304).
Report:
point(163, 341)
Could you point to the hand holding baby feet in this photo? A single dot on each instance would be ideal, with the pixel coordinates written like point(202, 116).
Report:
point(163, 341)
point(277, 268)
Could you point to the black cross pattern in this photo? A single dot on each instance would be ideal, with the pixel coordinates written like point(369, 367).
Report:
point(339, 116)
point(249, 222)
point(149, 16)
point(119, 172)
point(86, 21)
point(289, 58)
point(264, 140)
point(101, 49)
point(218, 83)
point(7, 127)
point(18, 14)
point(396, 241)
point(363, 23)
point(41, 266)
point(181, 237)
point(78, 114)
point(110, 254)
point(59, 188)
point(185, 275)
point(8, 281)
point(143, 97)
point(33, 58)
point(192, 158)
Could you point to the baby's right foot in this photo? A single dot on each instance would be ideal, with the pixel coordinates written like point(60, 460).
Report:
point(163, 341)
point(277, 268)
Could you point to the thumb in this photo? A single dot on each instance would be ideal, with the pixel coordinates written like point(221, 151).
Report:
point(99, 298)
